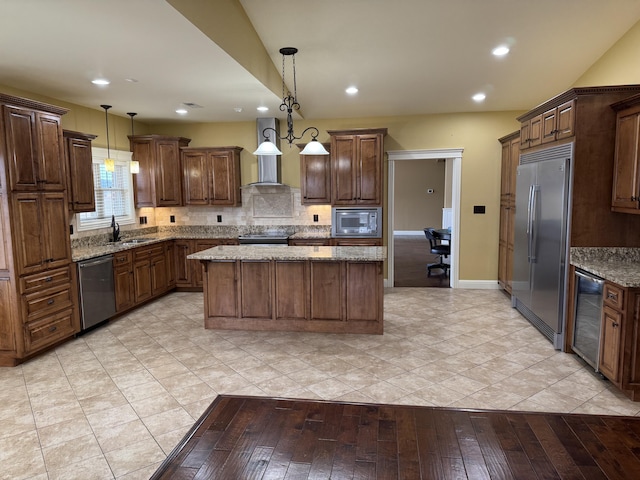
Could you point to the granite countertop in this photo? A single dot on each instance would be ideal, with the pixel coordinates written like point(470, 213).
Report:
point(247, 252)
point(619, 265)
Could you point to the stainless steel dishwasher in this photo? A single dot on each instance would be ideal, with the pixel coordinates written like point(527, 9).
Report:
point(97, 293)
point(587, 316)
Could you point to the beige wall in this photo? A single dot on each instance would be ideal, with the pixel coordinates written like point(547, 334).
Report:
point(414, 208)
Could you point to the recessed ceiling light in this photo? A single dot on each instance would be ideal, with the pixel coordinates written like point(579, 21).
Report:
point(181, 111)
point(263, 109)
point(500, 51)
point(479, 97)
point(237, 109)
point(131, 80)
point(352, 90)
point(100, 81)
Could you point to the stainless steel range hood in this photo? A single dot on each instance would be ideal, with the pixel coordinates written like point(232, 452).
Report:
point(269, 171)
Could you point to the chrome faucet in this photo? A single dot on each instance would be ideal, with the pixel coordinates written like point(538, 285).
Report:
point(115, 229)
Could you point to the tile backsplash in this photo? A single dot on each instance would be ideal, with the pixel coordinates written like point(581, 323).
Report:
point(270, 205)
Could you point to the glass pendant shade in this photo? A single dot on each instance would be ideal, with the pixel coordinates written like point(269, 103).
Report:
point(135, 166)
point(314, 147)
point(267, 148)
point(109, 165)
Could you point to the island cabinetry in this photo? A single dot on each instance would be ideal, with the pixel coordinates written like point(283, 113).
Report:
point(353, 242)
point(80, 192)
point(211, 176)
point(158, 183)
point(626, 173)
point(357, 158)
point(294, 295)
point(315, 177)
point(309, 242)
point(123, 281)
point(188, 273)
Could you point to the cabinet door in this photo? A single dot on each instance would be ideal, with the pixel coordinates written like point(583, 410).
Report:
point(514, 160)
point(535, 131)
point(502, 246)
point(548, 126)
point(256, 296)
point(626, 172)
point(52, 172)
point(55, 229)
point(610, 342)
point(327, 293)
point(221, 171)
point(171, 264)
point(167, 170)
point(197, 268)
point(344, 170)
point(221, 299)
point(81, 191)
point(144, 180)
point(369, 180)
point(7, 296)
point(505, 175)
point(158, 274)
point(20, 126)
point(183, 272)
point(565, 121)
point(525, 133)
point(195, 178)
point(356, 242)
point(363, 291)
point(29, 245)
point(315, 179)
point(291, 285)
point(142, 280)
point(123, 284)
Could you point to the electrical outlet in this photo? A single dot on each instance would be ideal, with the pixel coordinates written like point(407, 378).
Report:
point(315, 217)
point(70, 229)
point(219, 218)
point(141, 220)
point(172, 219)
point(478, 209)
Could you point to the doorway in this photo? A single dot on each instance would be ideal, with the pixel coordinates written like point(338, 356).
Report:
point(454, 159)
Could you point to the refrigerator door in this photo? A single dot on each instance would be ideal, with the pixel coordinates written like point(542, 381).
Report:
point(548, 242)
point(521, 283)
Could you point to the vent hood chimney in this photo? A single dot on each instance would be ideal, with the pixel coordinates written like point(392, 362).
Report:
point(269, 171)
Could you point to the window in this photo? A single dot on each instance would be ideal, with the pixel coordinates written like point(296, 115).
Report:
point(113, 191)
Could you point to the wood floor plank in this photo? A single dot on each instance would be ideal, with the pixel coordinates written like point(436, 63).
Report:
point(264, 438)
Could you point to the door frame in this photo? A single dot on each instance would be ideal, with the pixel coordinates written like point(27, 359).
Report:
point(453, 154)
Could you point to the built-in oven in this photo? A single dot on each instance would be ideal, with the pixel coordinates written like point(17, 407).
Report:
point(587, 316)
point(356, 222)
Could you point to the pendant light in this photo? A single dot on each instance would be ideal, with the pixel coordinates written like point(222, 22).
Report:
point(134, 165)
point(290, 103)
point(109, 163)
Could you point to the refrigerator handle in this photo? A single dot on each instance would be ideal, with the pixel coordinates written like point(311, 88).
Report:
point(535, 190)
point(529, 222)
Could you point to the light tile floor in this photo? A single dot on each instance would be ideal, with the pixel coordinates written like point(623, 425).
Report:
point(114, 402)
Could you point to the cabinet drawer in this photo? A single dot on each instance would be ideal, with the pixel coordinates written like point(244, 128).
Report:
point(121, 258)
point(142, 253)
point(47, 279)
point(613, 296)
point(49, 330)
point(38, 304)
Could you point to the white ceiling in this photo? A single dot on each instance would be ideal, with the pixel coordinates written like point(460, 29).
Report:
point(405, 56)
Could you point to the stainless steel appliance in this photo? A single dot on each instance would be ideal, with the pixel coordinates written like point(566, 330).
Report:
point(587, 316)
point(356, 222)
point(540, 239)
point(269, 239)
point(97, 296)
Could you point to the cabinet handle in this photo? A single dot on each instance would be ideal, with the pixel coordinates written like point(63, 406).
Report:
point(50, 301)
point(633, 199)
point(615, 324)
point(53, 329)
point(48, 279)
point(612, 296)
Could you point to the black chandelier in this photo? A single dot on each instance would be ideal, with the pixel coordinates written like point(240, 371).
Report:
point(290, 103)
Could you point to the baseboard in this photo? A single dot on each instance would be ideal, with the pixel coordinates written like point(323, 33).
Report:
point(479, 284)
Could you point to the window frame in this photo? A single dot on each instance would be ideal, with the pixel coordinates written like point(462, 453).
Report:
point(123, 159)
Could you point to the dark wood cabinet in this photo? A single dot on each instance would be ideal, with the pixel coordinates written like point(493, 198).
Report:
point(189, 273)
point(211, 176)
point(626, 174)
point(159, 181)
point(509, 162)
point(123, 281)
point(310, 242)
point(80, 189)
point(315, 178)
point(325, 287)
point(357, 158)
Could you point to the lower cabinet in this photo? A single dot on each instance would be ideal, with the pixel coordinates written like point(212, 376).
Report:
point(336, 242)
point(188, 273)
point(123, 281)
point(292, 295)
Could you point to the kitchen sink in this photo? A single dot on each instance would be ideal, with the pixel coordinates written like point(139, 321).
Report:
point(135, 241)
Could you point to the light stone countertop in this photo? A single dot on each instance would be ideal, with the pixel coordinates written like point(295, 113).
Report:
point(619, 265)
point(248, 252)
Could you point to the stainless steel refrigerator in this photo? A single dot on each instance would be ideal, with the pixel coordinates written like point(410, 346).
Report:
point(541, 246)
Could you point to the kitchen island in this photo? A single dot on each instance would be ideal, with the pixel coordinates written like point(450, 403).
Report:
point(294, 288)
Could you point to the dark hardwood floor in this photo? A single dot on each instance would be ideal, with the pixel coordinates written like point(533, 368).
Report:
point(265, 438)
point(411, 256)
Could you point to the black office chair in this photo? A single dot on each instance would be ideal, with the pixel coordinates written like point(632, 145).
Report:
point(438, 248)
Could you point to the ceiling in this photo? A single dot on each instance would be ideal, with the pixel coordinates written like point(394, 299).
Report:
point(405, 56)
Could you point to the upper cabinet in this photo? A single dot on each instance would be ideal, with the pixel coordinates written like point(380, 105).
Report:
point(211, 175)
point(315, 177)
point(626, 173)
point(34, 139)
point(357, 158)
point(158, 184)
point(80, 192)
point(549, 123)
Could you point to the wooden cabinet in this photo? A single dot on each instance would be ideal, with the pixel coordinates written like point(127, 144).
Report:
point(315, 178)
point(38, 295)
point(510, 157)
point(357, 158)
point(34, 139)
point(158, 183)
point(211, 176)
point(356, 242)
point(149, 272)
point(123, 281)
point(189, 273)
point(610, 338)
point(80, 189)
point(310, 242)
point(555, 123)
point(531, 132)
point(626, 173)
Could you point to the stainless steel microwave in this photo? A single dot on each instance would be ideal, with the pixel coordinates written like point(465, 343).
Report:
point(356, 222)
